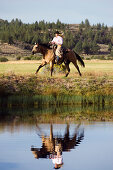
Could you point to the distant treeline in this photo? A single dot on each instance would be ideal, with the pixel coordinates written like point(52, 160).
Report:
point(85, 38)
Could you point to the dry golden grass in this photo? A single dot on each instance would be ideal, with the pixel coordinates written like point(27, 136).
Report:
point(92, 68)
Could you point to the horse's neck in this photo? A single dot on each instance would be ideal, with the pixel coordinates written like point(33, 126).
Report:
point(43, 50)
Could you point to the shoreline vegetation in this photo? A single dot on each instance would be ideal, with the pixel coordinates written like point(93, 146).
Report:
point(36, 85)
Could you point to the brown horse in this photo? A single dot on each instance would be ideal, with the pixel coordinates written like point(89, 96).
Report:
point(49, 57)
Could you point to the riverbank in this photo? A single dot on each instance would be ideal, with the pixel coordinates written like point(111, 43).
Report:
point(95, 85)
point(39, 90)
point(39, 85)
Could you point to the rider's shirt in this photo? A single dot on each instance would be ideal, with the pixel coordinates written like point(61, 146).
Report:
point(57, 160)
point(58, 40)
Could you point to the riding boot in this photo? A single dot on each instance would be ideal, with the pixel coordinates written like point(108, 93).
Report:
point(57, 59)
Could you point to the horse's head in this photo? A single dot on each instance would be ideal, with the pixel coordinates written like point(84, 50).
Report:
point(36, 49)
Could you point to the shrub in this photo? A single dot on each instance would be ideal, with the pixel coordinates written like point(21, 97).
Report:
point(95, 57)
point(60, 68)
point(57, 68)
point(109, 57)
point(18, 58)
point(36, 57)
point(27, 47)
point(0, 50)
point(87, 58)
point(27, 58)
point(102, 57)
point(3, 59)
point(111, 53)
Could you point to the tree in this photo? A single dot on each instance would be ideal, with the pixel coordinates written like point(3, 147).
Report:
point(98, 26)
point(81, 26)
point(112, 40)
point(46, 37)
point(111, 52)
point(42, 25)
point(94, 48)
point(86, 47)
point(6, 37)
point(110, 47)
point(87, 24)
point(35, 39)
point(78, 47)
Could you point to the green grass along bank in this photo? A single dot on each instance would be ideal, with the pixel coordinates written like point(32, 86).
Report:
point(57, 91)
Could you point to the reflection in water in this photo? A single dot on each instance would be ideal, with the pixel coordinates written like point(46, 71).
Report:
point(53, 142)
point(54, 145)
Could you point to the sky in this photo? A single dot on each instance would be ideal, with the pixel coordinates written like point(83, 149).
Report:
point(67, 11)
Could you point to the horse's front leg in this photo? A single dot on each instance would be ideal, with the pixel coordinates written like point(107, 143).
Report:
point(51, 67)
point(41, 65)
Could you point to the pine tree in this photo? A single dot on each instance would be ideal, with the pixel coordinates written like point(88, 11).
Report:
point(87, 24)
point(86, 47)
point(110, 47)
point(78, 47)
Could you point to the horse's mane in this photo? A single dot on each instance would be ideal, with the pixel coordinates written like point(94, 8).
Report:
point(46, 45)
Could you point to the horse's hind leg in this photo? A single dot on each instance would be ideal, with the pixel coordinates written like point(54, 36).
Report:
point(40, 66)
point(78, 70)
point(67, 67)
point(75, 64)
point(51, 67)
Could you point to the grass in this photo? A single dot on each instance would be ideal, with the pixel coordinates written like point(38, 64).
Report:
point(92, 68)
point(97, 68)
point(19, 67)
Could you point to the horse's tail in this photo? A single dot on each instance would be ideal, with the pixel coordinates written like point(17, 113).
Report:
point(79, 59)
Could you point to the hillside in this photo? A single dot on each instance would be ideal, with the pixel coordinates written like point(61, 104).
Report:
point(73, 27)
point(25, 49)
point(14, 49)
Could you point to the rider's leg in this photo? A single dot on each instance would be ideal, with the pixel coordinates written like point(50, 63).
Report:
point(58, 53)
point(57, 58)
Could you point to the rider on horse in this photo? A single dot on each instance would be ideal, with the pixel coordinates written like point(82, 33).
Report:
point(58, 40)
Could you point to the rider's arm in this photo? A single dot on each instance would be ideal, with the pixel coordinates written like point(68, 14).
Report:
point(54, 40)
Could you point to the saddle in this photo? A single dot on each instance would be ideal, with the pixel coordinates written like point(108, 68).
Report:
point(64, 51)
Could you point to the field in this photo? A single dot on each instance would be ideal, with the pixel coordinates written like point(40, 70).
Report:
point(92, 68)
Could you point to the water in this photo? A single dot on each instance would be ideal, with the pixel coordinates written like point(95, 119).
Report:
point(26, 145)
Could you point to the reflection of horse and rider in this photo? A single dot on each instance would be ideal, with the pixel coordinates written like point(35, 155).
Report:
point(60, 54)
point(53, 146)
